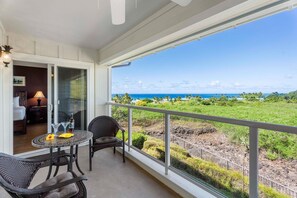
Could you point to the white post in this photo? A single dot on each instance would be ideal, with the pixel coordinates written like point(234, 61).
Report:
point(56, 99)
point(167, 142)
point(129, 128)
point(109, 90)
point(253, 164)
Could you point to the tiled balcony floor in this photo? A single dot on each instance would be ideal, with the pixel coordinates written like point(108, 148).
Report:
point(113, 178)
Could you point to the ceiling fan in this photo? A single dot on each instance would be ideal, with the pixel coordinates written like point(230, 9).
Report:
point(118, 9)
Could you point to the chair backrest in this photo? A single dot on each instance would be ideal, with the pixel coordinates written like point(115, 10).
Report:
point(80, 118)
point(103, 126)
point(16, 171)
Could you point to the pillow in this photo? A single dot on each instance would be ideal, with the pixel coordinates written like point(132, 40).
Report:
point(16, 101)
point(64, 192)
point(106, 140)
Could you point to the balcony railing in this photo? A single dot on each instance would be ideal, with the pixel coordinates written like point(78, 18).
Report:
point(253, 139)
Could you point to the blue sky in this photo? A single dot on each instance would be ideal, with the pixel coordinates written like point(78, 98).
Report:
point(258, 56)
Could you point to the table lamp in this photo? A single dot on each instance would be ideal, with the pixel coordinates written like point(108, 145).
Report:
point(39, 95)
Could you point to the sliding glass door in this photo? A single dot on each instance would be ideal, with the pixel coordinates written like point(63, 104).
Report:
point(70, 95)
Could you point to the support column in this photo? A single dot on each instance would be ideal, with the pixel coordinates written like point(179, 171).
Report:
point(129, 128)
point(167, 142)
point(253, 163)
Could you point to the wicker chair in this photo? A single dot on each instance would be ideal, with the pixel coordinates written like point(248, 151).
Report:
point(105, 129)
point(16, 175)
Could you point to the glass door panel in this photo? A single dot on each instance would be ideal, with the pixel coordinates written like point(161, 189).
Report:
point(72, 96)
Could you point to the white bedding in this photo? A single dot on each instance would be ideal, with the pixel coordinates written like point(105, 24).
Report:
point(19, 113)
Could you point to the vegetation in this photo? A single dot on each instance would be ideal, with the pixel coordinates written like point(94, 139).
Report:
point(274, 108)
point(231, 183)
point(251, 96)
point(125, 99)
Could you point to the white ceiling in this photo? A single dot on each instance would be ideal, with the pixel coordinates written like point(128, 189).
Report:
point(76, 22)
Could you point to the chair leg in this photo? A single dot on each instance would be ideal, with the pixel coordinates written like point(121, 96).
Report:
point(90, 155)
point(114, 149)
point(58, 161)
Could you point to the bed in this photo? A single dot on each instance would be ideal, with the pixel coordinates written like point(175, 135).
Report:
point(19, 112)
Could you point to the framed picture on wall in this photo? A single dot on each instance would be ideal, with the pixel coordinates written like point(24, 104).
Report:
point(19, 81)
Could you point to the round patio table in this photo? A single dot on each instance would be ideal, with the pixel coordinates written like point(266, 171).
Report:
point(80, 136)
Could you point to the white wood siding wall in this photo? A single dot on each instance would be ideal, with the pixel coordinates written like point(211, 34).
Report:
point(41, 47)
point(5, 101)
point(102, 90)
point(43, 51)
point(1, 93)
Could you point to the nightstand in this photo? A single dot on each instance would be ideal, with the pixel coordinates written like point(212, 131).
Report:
point(37, 114)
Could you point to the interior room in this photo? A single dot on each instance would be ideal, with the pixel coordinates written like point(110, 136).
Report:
point(30, 104)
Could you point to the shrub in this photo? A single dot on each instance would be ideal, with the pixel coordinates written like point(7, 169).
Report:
point(283, 145)
point(222, 103)
point(141, 103)
point(271, 155)
point(138, 140)
point(206, 102)
point(120, 114)
point(274, 97)
point(223, 98)
point(147, 100)
point(267, 192)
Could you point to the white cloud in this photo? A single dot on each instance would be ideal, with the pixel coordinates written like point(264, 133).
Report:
point(289, 76)
point(236, 84)
point(215, 83)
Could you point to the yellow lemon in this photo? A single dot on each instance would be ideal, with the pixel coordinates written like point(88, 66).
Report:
point(50, 137)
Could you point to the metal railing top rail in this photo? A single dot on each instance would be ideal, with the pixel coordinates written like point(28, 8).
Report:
point(247, 123)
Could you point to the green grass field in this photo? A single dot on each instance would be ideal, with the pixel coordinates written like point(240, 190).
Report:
point(270, 112)
point(277, 144)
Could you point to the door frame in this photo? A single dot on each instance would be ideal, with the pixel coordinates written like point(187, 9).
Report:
point(50, 61)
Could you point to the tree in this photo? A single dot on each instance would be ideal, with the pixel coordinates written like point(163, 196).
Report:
point(252, 96)
point(126, 99)
point(156, 100)
point(189, 97)
point(117, 98)
point(167, 98)
point(274, 97)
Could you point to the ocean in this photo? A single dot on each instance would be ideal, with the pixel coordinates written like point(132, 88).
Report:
point(205, 96)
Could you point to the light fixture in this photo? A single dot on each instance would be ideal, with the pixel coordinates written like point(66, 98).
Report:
point(5, 54)
point(182, 3)
point(118, 11)
point(39, 95)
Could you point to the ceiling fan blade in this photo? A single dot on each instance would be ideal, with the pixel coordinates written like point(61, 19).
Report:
point(182, 2)
point(118, 8)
